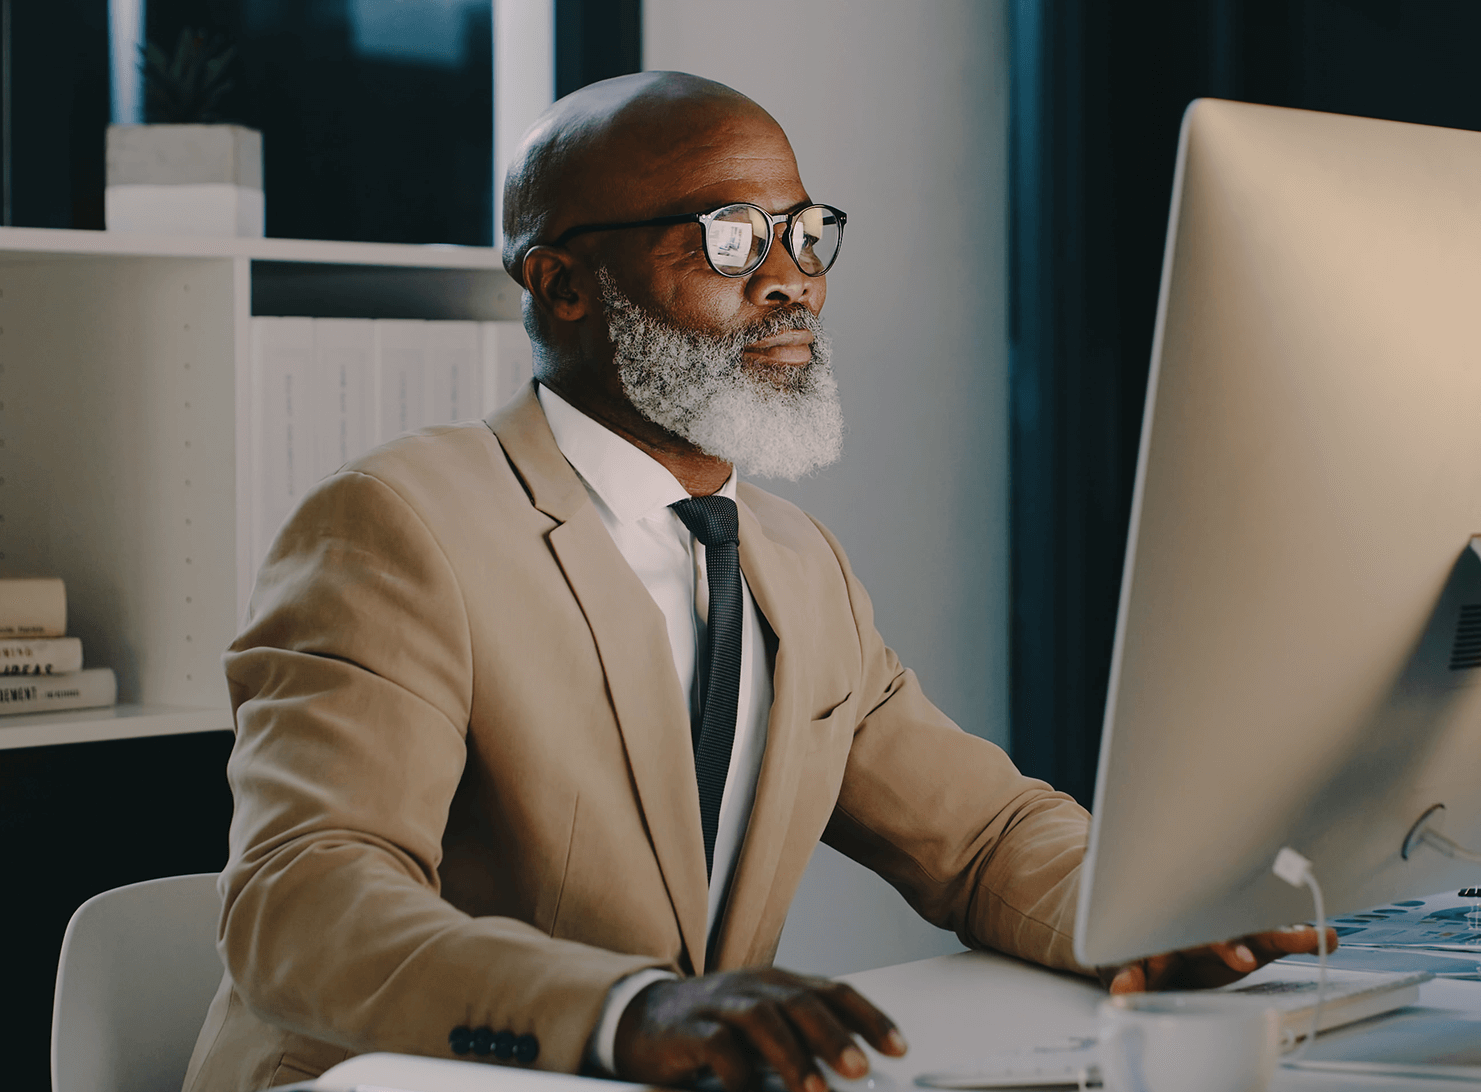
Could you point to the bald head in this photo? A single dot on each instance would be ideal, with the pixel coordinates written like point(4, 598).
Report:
point(606, 152)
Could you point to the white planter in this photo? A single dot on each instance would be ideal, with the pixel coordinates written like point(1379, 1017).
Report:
point(184, 180)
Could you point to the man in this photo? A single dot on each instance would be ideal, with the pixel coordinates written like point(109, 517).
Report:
point(540, 719)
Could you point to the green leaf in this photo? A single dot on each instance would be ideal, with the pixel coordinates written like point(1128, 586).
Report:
point(189, 85)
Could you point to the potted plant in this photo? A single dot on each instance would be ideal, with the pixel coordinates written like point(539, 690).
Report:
point(187, 172)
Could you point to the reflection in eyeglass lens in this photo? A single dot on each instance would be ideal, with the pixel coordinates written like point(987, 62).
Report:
point(737, 235)
point(730, 243)
point(814, 239)
point(735, 238)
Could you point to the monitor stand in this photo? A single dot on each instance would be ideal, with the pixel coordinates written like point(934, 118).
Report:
point(1426, 833)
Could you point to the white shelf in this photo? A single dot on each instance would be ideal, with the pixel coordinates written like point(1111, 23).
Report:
point(56, 242)
point(113, 722)
point(125, 441)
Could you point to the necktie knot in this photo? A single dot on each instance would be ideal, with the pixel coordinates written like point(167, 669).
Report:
point(713, 519)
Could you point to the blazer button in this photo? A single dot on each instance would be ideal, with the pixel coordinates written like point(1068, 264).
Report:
point(504, 1045)
point(461, 1040)
point(483, 1041)
point(526, 1049)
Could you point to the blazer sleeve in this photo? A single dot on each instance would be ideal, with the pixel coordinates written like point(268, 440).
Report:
point(972, 844)
point(351, 685)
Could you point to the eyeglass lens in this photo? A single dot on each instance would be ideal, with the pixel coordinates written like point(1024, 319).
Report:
point(735, 239)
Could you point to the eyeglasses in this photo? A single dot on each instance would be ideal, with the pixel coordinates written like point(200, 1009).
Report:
point(738, 237)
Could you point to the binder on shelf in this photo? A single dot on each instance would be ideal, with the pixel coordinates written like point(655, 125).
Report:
point(454, 372)
point(282, 435)
point(40, 656)
point(507, 362)
point(344, 409)
point(325, 391)
point(400, 371)
point(33, 607)
point(87, 689)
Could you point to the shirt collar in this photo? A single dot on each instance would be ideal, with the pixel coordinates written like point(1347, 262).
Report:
point(630, 482)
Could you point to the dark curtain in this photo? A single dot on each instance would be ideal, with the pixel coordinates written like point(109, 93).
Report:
point(58, 110)
point(1098, 92)
point(596, 40)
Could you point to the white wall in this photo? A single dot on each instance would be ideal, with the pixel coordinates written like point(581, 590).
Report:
point(898, 112)
point(524, 82)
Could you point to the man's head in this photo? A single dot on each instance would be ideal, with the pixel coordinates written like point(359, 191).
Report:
point(634, 324)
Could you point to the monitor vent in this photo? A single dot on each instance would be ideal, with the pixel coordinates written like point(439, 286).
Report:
point(1466, 652)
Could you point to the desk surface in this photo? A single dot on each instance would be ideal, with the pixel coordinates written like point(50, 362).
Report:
point(954, 1010)
point(958, 1010)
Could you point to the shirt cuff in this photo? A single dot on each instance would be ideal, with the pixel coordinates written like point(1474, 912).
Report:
point(602, 1048)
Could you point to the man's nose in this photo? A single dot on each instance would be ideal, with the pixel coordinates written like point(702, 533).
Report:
point(778, 280)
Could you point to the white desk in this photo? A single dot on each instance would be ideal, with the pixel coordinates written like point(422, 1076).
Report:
point(956, 1009)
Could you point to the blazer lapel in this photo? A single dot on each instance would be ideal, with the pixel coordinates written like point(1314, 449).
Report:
point(632, 641)
point(771, 571)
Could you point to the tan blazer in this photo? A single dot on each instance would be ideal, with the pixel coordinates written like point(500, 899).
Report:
point(465, 795)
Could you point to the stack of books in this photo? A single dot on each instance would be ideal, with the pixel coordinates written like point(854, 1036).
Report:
point(40, 666)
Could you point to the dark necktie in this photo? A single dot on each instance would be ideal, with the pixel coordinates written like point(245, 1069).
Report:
point(713, 521)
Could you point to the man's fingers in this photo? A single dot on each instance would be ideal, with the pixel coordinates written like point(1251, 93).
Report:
point(1214, 964)
point(1131, 978)
point(732, 1022)
point(825, 1035)
point(859, 1015)
point(724, 1056)
point(774, 1038)
point(1295, 940)
point(1236, 955)
point(1158, 971)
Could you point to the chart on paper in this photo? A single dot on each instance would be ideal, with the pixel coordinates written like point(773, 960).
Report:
point(1448, 920)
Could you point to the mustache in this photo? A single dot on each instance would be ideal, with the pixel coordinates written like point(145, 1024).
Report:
point(795, 316)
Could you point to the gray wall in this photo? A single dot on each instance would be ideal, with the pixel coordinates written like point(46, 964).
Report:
point(899, 115)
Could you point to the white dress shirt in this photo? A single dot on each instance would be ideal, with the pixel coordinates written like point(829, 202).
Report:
point(632, 492)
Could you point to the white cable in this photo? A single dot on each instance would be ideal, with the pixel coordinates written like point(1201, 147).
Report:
point(1296, 871)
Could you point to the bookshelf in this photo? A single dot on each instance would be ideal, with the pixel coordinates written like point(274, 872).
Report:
point(124, 363)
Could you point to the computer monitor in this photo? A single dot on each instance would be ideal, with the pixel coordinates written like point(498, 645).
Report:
point(1298, 649)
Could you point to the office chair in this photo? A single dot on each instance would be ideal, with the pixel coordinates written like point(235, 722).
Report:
point(137, 973)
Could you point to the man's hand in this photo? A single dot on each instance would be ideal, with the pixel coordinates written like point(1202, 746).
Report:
point(1213, 964)
point(734, 1022)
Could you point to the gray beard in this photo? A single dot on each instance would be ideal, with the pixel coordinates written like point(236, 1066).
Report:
point(695, 386)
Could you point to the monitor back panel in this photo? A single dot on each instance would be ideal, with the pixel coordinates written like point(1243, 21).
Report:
point(1298, 574)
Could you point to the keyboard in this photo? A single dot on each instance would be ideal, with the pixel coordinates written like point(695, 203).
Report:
point(1351, 995)
point(1291, 990)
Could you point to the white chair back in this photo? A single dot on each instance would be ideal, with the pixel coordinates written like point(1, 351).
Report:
point(137, 973)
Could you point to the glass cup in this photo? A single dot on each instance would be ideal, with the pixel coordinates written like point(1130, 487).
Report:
point(1152, 1042)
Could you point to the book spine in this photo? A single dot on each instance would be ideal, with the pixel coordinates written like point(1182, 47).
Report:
point(283, 457)
point(344, 392)
point(488, 351)
point(88, 689)
point(507, 362)
point(35, 607)
point(453, 390)
point(53, 656)
point(400, 365)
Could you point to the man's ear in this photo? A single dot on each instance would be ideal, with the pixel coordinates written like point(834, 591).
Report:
point(552, 276)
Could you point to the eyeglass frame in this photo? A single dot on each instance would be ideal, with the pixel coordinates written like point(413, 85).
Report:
point(704, 219)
